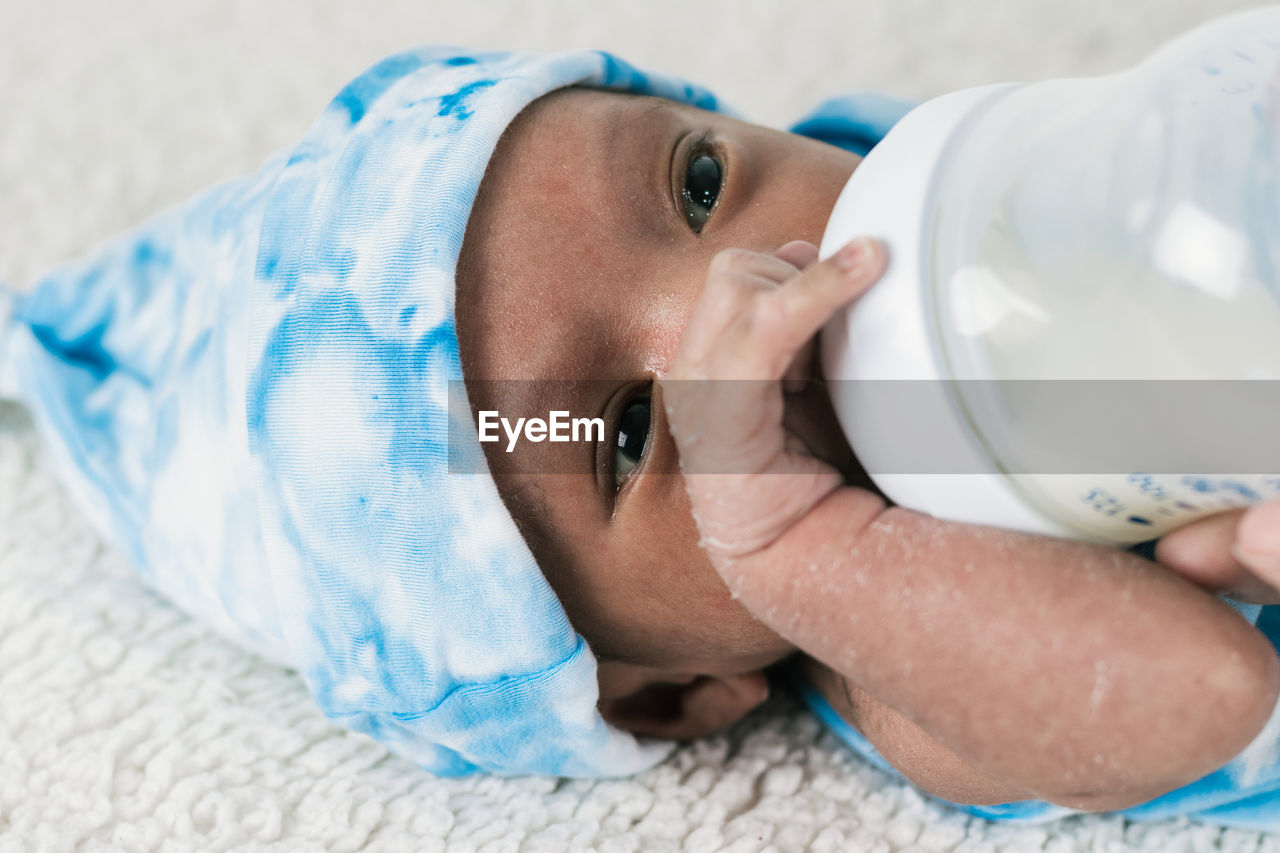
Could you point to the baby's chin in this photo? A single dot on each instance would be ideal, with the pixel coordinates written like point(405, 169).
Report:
point(811, 417)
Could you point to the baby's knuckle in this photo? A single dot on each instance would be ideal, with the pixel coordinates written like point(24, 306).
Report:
point(776, 301)
point(767, 315)
point(730, 260)
point(738, 303)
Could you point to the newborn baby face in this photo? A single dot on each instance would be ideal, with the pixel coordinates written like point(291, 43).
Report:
point(589, 241)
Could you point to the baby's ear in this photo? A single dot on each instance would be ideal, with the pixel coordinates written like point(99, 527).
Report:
point(703, 706)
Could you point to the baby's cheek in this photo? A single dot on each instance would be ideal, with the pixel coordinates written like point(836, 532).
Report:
point(722, 604)
point(670, 537)
point(714, 597)
point(663, 326)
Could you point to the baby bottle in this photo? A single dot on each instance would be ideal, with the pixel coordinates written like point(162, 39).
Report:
point(1078, 332)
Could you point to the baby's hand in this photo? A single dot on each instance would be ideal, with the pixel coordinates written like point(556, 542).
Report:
point(1053, 667)
point(756, 320)
point(1236, 552)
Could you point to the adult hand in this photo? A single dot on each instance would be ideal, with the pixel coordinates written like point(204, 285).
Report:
point(1235, 552)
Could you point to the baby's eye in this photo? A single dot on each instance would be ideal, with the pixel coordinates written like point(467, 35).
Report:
point(703, 181)
point(633, 435)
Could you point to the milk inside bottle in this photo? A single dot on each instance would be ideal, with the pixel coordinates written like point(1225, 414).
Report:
point(1079, 329)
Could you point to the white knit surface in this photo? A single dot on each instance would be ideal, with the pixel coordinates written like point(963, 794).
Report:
point(124, 725)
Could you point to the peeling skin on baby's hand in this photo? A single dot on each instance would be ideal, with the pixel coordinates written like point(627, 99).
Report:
point(755, 316)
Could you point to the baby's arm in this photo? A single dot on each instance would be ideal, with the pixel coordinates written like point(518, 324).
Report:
point(910, 749)
point(1079, 674)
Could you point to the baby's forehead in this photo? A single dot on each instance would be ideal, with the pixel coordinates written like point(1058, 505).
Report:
point(575, 257)
point(607, 95)
point(592, 112)
point(568, 177)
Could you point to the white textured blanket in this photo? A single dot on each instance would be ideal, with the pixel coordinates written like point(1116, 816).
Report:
point(126, 726)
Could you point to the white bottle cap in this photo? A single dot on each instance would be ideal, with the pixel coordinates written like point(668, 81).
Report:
point(886, 335)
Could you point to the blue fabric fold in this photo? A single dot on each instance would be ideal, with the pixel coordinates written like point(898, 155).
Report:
point(251, 396)
point(854, 122)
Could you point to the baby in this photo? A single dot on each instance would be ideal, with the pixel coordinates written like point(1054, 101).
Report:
point(270, 399)
point(986, 666)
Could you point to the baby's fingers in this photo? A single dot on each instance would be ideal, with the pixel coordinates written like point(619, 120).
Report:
point(799, 253)
point(788, 317)
point(750, 328)
point(809, 299)
point(758, 311)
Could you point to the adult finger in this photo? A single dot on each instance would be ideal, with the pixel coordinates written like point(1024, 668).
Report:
point(1204, 553)
point(1257, 542)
